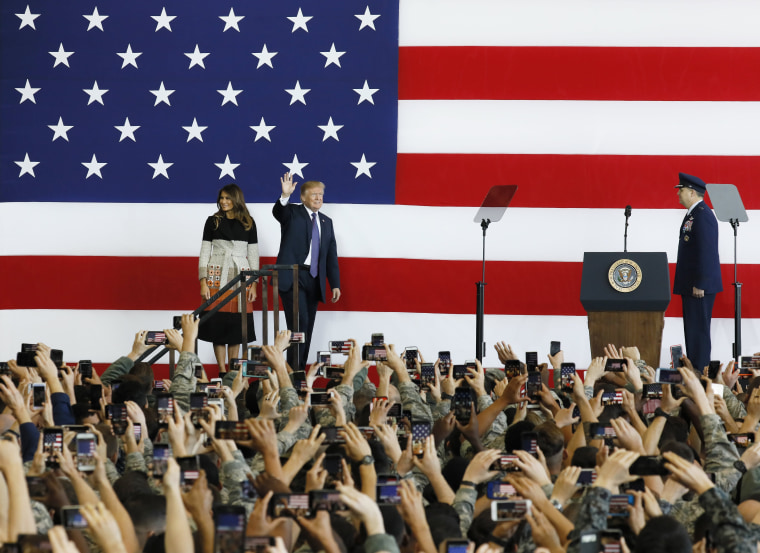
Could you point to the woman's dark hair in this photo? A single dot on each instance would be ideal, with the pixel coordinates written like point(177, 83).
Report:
point(584, 457)
point(239, 209)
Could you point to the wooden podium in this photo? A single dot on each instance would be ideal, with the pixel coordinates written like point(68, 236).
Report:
point(625, 295)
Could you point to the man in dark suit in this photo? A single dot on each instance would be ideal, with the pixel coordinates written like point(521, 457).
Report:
point(697, 277)
point(306, 239)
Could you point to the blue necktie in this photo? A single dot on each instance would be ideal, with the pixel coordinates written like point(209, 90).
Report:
point(314, 246)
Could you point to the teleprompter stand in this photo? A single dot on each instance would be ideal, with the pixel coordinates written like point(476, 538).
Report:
point(491, 210)
point(729, 208)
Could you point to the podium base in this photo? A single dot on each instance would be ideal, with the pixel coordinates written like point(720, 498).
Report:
point(627, 328)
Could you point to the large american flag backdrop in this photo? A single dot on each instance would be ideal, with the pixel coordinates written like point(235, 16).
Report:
point(120, 122)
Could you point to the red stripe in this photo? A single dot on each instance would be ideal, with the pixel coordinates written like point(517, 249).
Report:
point(578, 73)
point(580, 181)
point(374, 285)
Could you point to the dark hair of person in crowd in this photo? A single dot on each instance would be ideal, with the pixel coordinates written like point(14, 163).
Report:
point(584, 457)
point(663, 534)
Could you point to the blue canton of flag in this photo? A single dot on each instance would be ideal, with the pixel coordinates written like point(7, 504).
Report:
point(164, 101)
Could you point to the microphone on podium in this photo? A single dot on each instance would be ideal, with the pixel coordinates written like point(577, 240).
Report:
point(625, 236)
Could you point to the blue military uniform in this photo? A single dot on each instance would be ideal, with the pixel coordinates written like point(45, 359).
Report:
point(698, 266)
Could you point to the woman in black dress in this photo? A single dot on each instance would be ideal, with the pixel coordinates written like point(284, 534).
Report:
point(230, 245)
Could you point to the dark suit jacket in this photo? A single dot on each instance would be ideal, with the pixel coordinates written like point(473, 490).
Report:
point(295, 239)
point(698, 263)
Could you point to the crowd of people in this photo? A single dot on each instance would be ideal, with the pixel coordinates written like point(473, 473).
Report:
point(491, 460)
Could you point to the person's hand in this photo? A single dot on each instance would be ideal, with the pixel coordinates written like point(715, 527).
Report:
point(566, 484)
point(528, 489)
point(66, 463)
point(288, 186)
point(478, 470)
point(627, 435)
point(199, 499)
point(667, 403)
point(636, 517)
point(13, 399)
point(673, 491)
point(443, 427)
point(596, 403)
point(189, 331)
point(135, 413)
point(406, 459)
point(564, 417)
point(173, 339)
point(263, 434)
point(379, 414)
point(45, 366)
point(611, 352)
point(138, 346)
point(60, 542)
point(557, 359)
point(335, 405)
point(282, 340)
point(429, 463)
point(647, 377)
point(363, 507)
point(476, 378)
point(386, 434)
point(512, 392)
point(751, 455)
point(546, 399)
point(500, 387)
point(532, 467)
point(316, 476)
point(269, 406)
point(505, 352)
point(357, 446)
point(697, 292)
point(471, 430)
point(251, 292)
point(448, 384)
point(435, 386)
point(615, 470)
point(543, 532)
point(411, 507)
point(205, 292)
point(103, 526)
point(68, 377)
point(689, 474)
point(730, 375)
point(296, 417)
point(632, 352)
point(693, 388)
point(632, 373)
point(335, 295)
point(176, 432)
point(595, 370)
point(651, 506)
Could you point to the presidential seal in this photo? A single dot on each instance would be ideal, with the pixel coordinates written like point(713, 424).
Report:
point(625, 275)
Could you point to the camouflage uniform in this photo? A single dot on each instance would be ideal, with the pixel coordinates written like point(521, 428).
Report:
point(231, 474)
point(184, 381)
point(735, 407)
point(285, 440)
point(592, 515)
point(116, 370)
point(412, 401)
point(732, 533)
point(42, 519)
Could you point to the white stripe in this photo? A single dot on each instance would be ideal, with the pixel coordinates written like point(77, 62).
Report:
point(579, 23)
point(374, 231)
point(578, 127)
point(81, 334)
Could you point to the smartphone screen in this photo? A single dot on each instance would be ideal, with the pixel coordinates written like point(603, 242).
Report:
point(86, 447)
point(387, 494)
point(324, 357)
point(256, 369)
point(378, 339)
point(567, 374)
point(289, 505)
point(161, 454)
point(410, 355)
point(619, 505)
point(427, 375)
point(72, 517)
point(554, 348)
point(38, 394)
point(531, 360)
point(332, 435)
point(533, 386)
point(500, 490)
point(615, 365)
point(529, 442)
point(52, 441)
point(510, 510)
point(231, 430)
point(165, 407)
point(189, 470)
point(340, 346)
point(85, 368)
point(463, 404)
point(420, 432)
point(512, 368)
point(587, 477)
point(653, 391)
point(712, 370)
point(325, 500)
point(230, 522)
point(457, 546)
point(445, 362)
point(668, 376)
point(155, 337)
point(676, 352)
point(320, 398)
